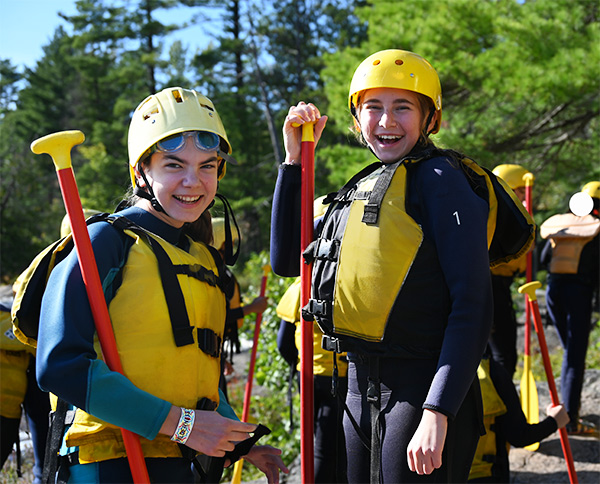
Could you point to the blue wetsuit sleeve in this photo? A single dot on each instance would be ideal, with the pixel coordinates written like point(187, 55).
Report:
point(455, 220)
point(285, 222)
point(67, 363)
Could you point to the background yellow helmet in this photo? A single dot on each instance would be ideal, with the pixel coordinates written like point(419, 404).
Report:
point(513, 175)
point(592, 189)
point(398, 69)
point(65, 225)
point(171, 111)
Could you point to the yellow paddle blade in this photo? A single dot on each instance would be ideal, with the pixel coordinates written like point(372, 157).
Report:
point(237, 472)
point(529, 398)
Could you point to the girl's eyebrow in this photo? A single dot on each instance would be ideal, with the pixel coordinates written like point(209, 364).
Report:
point(396, 101)
point(174, 157)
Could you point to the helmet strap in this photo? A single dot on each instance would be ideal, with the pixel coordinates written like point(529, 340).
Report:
point(147, 193)
point(230, 257)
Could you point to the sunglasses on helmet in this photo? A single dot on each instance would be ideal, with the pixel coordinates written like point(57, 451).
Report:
point(203, 140)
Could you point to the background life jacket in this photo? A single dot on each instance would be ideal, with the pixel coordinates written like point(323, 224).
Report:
point(493, 407)
point(14, 359)
point(288, 309)
point(353, 292)
point(568, 235)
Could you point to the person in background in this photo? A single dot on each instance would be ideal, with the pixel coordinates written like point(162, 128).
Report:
point(236, 311)
point(169, 392)
point(503, 338)
point(329, 446)
point(572, 256)
point(506, 424)
point(19, 392)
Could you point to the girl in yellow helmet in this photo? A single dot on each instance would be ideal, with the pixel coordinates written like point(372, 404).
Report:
point(416, 303)
point(170, 352)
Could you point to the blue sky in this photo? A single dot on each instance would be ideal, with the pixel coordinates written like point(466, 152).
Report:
point(28, 25)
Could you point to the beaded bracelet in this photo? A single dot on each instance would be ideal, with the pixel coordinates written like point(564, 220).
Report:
point(184, 427)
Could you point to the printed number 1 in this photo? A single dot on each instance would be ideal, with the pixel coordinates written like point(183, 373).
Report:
point(457, 217)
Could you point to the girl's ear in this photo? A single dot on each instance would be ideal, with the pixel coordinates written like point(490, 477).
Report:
point(433, 121)
point(138, 177)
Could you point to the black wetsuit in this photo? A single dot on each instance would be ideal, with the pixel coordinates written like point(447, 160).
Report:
point(449, 299)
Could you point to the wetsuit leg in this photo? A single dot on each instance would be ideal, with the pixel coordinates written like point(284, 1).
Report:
point(569, 306)
point(37, 409)
point(330, 454)
point(503, 338)
point(405, 384)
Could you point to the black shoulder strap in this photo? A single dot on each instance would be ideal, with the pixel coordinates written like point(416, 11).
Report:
point(373, 206)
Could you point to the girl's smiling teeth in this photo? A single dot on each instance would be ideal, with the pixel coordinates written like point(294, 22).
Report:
point(187, 199)
point(388, 138)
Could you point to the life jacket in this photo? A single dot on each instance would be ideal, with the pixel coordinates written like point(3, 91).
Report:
point(568, 235)
point(186, 324)
point(353, 292)
point(182, 375)
point(14, 359)
point(288, 309)
point(493, 407)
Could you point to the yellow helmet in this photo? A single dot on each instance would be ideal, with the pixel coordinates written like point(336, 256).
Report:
point(592, 189)
point(513, 175)
point(218, 225)
point(398, 69)
point(170, 111)
point(65, 225)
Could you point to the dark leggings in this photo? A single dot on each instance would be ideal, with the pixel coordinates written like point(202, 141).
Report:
point(404, 386)
point(569, 305)
point(503, 339)
point(330, 453)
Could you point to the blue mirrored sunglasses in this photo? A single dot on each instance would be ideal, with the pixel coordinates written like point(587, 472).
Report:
point(203, 140)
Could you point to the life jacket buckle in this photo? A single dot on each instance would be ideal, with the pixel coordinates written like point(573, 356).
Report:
point(209, 342)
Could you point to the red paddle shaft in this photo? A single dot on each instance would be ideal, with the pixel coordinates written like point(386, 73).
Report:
point(58, 146)
point(306, 360)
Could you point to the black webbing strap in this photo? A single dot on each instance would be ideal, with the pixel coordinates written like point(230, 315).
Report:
point(374, 399)
point(373, 206)
point(54, 441)
point(351, 184)
point(180, 321)
point(201, 273)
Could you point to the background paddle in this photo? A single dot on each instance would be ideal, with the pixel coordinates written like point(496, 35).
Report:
point(528, 389)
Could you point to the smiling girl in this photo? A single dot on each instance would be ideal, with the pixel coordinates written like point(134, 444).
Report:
point(401, 277)
point(154, 248)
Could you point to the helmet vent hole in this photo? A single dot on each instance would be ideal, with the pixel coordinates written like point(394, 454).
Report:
point(376, 62)
point(177, 96)
point(149, 114)
point(210, 108)
point(399, 62)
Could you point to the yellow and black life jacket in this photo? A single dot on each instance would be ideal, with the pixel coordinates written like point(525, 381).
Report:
point(170, 349)
point(182, 372)
point(493, 407)
point(353, 292)
point(568, 235)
